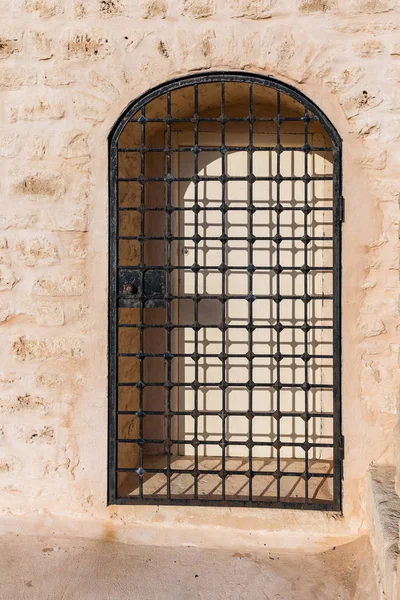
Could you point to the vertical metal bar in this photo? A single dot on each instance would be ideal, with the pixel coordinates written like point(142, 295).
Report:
point(142, 301)
point(250, 291)
point(278, 291)
point(223, 250)
point(337, 322)
point(196, 287)
point(168, 262)
point(306, 332)
point(113, 326)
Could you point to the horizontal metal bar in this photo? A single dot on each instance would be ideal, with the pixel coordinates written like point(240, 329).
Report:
point(317, 386)
point(299, 445)
point(201, 119)
point(205, 209)
point(226, 357)
point(208, 178)
point(146, 238)
point(206, 413)
point(228, 268)
point(224, 149)
point(303, 298)
point(259, 326)
point(227, 472)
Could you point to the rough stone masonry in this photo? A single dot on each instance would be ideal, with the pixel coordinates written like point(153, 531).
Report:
point(68, 68)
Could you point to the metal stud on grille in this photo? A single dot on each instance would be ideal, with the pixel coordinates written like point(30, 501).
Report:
point(224, 312)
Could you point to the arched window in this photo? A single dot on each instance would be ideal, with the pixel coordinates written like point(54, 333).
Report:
point(224, 310)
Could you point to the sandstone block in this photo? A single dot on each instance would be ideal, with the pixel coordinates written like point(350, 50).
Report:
point(389, 404)
point(372, 26)
point(395, 50)
point(368, 6)
point(44, 8)
point(356, 102)
point(81, 193)
point(44, 435)
point(370, 326)
point(62, 285)
point(10, 44)
point(18, 217)
point(374, 159)
point(312, 6)
point(131, 42)
point(9, 464)
point(289, 56)
point(13, 79)
point(112, 8)
point(9, 379)
point(197, 47)
point(83, 46)
point(79, 7)
point(65, 218)
point(25, 403)
point(369, 48)
point(199, 9)
point(366, 129)
point(387, 190)
point(58, 77)
point(39, 45)
point(103, 84)
point(393, 74)
point(77, 250)
point(31, 348)
point(35, 148)
point(89, 107)
point(153, 9)
point(36, 111)
point(46, 183)
point(5, 312)
point(83, 311)
point(48, 380)
point(37, 251)
point(7, 278)
point(347, 78)
point(10, 145)
point(395, 349)
point(49, 314)
point(252, 9)
point(73, 144)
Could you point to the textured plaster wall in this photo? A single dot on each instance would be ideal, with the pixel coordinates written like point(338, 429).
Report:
point(68, 68)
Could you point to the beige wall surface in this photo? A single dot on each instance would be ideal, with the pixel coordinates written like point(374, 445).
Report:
point(68, 69)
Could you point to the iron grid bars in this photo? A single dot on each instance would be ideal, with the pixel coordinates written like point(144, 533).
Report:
point(225, 297)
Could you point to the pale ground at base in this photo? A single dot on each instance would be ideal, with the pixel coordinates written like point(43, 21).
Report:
point(63, 568)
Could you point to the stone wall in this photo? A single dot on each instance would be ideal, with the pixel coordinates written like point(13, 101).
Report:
point(68, 68)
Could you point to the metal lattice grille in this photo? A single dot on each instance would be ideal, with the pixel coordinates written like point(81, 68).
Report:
point(224, 353)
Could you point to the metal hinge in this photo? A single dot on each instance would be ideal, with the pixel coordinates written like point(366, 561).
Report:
point(341, 447)
point(341, 209)
point(338, 210)
point(341, 454)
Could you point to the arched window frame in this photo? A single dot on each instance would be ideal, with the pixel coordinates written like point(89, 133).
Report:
point(131, 109)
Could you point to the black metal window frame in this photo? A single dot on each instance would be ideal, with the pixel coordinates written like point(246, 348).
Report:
point(115, 283)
